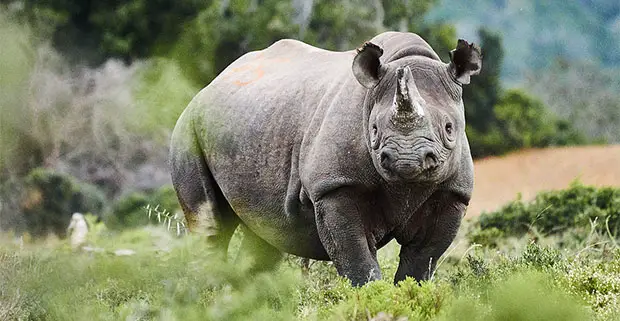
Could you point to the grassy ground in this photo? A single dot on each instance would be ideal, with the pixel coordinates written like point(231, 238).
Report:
point(170, 278)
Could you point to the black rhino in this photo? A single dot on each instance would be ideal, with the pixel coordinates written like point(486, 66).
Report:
point(330, 155)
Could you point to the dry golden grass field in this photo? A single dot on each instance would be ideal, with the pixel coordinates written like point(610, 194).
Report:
point(499, 179)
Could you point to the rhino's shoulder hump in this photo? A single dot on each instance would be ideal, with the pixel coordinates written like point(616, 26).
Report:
point(291, 46)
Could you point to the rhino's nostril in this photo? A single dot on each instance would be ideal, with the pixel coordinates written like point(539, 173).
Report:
point(387, 158)
point(430, 160)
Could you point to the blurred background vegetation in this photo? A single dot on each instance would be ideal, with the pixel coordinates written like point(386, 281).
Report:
point(91, 90)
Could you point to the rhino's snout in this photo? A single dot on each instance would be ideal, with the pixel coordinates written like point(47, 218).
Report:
point(409, 165)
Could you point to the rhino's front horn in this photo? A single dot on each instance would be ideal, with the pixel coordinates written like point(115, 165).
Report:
point(407, 101)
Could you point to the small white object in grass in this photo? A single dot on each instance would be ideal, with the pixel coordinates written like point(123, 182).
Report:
point(78, 230)
point(124, 252)
point(92, 249)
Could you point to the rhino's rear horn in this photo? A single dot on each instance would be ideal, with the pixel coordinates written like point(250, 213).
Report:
point(367, 66)
point(465, 61)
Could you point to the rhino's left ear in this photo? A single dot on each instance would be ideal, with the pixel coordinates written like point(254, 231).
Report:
point(465, 61)
point(366, 65)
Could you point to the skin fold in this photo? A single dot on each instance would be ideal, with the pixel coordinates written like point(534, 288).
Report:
point(330, 155)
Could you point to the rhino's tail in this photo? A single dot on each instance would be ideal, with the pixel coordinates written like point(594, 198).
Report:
point(205, 207)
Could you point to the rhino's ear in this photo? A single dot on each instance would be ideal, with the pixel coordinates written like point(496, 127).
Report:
point(465, 61)
point(366, 65)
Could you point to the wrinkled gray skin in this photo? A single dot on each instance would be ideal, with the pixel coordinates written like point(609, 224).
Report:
point(330, 155)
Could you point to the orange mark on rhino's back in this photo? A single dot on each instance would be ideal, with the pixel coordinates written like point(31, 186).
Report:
point(257, 72)
point(253, 70)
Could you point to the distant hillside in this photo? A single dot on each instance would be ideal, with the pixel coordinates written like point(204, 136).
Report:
point(538, 32)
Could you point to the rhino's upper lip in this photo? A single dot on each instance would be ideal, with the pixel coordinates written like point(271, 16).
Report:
point(392, 175)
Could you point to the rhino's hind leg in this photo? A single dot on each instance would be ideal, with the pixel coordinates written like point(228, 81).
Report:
point(206, 210)
point(256, 253)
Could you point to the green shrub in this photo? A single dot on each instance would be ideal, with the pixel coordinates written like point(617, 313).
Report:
point(553, 212)
point(128, 211)
point(131, 209)
point(172, 278)
point(521, 121)
point(50, 198)
point(522, 296)
point(152, 284)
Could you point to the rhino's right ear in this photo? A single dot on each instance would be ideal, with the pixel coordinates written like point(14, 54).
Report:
point(465, 61)
point(366, 65)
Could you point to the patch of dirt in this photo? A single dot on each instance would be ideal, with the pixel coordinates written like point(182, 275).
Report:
point(498, 180)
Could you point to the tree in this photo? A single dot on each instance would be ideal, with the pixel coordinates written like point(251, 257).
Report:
point(482, 94)
point(224, 31)
point(526, 122)
point(92, 31)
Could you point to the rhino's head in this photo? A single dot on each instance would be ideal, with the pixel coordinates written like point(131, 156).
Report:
point(416, 121)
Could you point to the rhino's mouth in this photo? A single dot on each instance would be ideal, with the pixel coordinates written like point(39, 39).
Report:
point(407, 168)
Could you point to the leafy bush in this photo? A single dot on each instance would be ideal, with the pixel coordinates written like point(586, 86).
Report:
point(131, 209)
point(521, 121)
point(50, 198)
point(522, 296)
point(553, 212)
point(526, 122)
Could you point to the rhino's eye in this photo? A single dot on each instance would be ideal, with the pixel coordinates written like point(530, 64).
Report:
point(449, 128)
point(374, 140)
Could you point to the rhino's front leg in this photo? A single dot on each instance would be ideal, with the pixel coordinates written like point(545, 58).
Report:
point(339, 218)
point(440, 217)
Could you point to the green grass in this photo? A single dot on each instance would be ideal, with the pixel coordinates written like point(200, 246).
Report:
point(171, 278)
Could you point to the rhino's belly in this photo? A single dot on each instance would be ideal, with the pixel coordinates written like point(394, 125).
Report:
point(294, 235)
point(260, 201)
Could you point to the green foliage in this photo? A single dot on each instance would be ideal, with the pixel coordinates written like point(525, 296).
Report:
point(173, 278)
point(204, 37)
point(224, 30)
point(410, 299)
point(131, 211)
point(520, 121)
point(484, 91)
point(50, 198)
point(441, 37)
point(161, 93)
point(18, 152)
point(553, 212)
point(538, 283)
point(343, 26)
point(182, 284)
point(526, 123)
point(522, 296)
point(498, 120)
point(128, 211)
point(121, 29)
